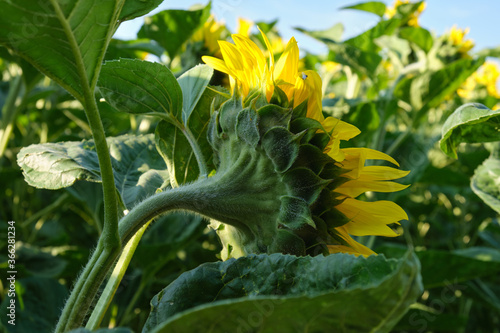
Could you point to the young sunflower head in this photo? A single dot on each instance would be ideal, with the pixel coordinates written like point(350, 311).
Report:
point(289, 185)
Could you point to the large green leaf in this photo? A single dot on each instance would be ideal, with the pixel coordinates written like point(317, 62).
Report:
point(485, 182)
point(418, 35)
point(366, 40)
point(333, 34)
point(139, 170)
point(363, 62)
point(430, 89)
point(132, 49)
point(469, 123)
point(283, 293)
point(375, 7)
point(65, 40)
point(193, 83)
point(172, 28)
point(141, 87)
point(135, 8)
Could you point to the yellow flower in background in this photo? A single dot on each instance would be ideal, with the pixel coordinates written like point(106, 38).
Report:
point(486, 76)
point(413, 20)
point(457, 38)
point(210, 34)
point(249, 72)
point(331, 66)
point(244, 27)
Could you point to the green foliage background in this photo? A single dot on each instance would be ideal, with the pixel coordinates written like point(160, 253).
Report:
point(396, 82)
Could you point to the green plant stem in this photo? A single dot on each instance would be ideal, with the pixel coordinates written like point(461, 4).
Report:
point(115, 279)
point(109, 244)
point(9, 111)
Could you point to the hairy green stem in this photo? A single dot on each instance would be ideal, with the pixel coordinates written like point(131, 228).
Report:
point(9, 111)
point(109, 244)
point(115, 279)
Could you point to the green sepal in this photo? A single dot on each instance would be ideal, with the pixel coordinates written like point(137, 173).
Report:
point(228, 114)
point(308, 126)
point(214, 133)
point(273, 116)
point(300, 111)
point(287, 242)
point(247, 127)
point(324, 207)
point(311, 157)
point(279, 97)
point(281, 147)
point(295, 213)
point(304, 183)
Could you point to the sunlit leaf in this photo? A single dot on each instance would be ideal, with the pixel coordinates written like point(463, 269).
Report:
point(429, 89)
point(132, 49)
point(193, 83)
point(281, 293)
point(56, 36)
point(141, 87)
point(375, 7)
point(135, 8)
point(333, 34)
point(470, 123)
point(418, 35)
point(172, 28)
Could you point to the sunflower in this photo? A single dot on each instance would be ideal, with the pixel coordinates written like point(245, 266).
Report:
point(209, 33)
point(333, 212)
point(390, 12)
point(485, 77)
point(458, 39)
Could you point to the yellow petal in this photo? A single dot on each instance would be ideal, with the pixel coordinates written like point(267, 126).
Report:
point(269, 48)
point(244, 26)
point(287, 66)
point(344, 130)
point(371, 218)
point(369, 154)
point(333, 150)
point(382, 173)
point(253, 51)
point(217, 64)
point(354, 188)
point(353, 246)
point(308, 87)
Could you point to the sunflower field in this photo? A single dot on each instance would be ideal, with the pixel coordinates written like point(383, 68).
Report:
point(206, 179)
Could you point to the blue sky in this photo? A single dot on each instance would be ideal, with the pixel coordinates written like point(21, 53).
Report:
point(440, 15)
